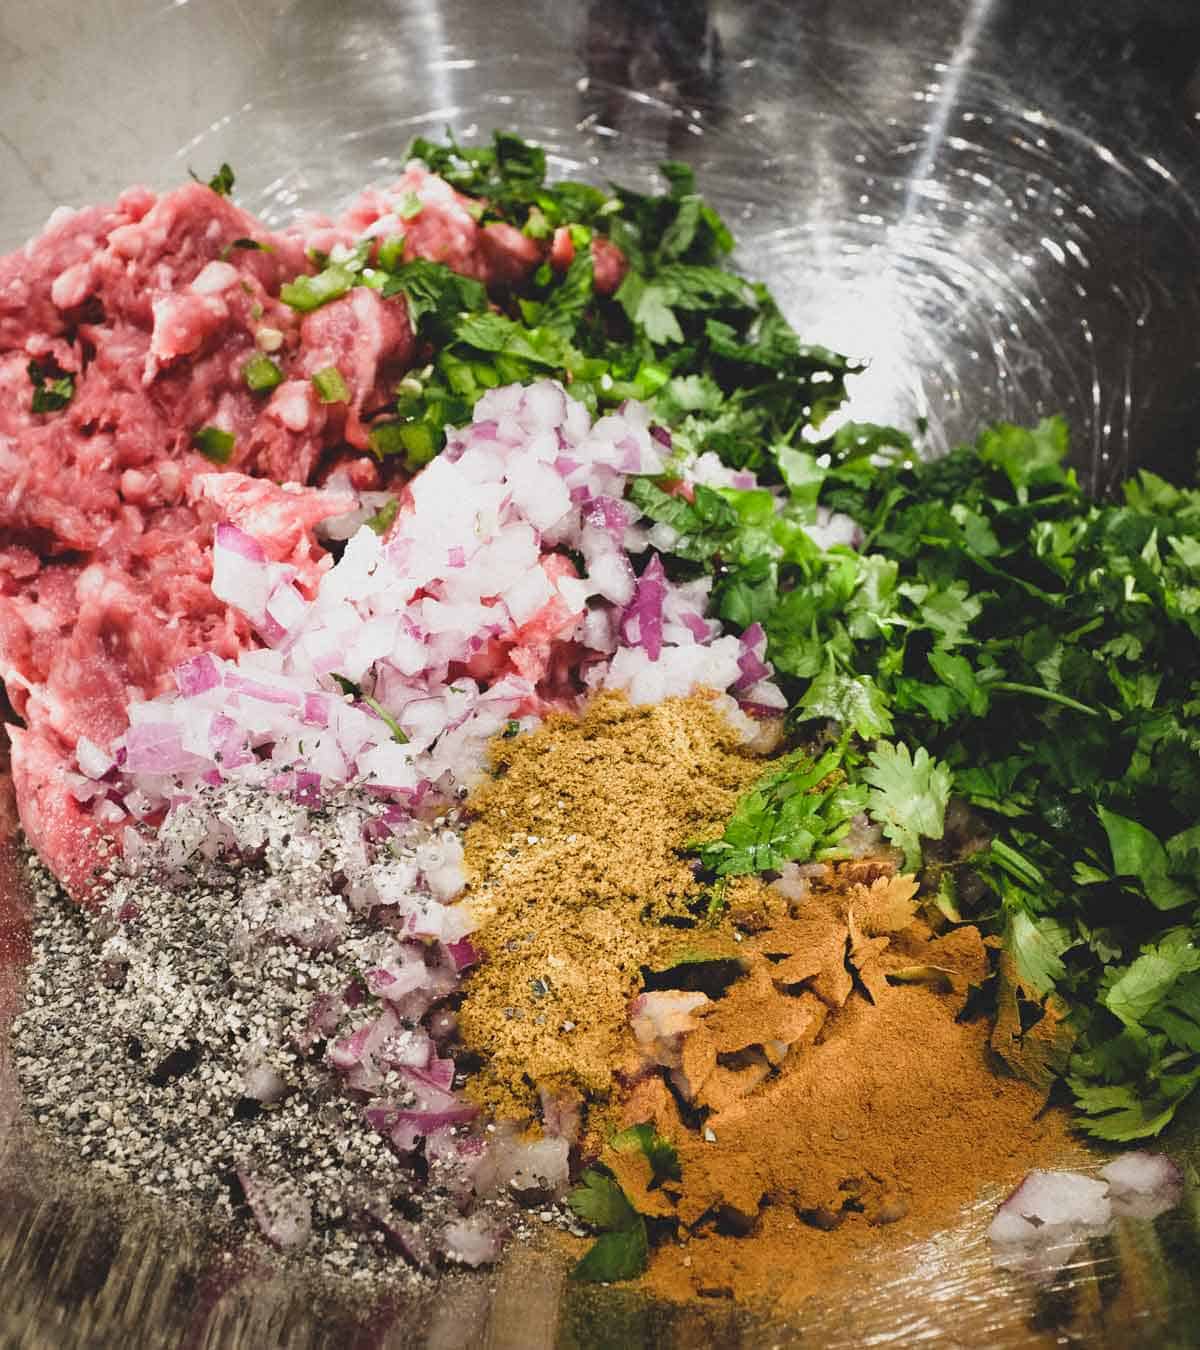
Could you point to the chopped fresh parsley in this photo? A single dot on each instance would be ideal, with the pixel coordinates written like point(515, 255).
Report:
point(1003, 642)
point(331, 386)
point(53, 389)
point(381, 521)
point(800, 809)
point(221, 182)
point(214, 444)
point(622, 1249)
point(261, 374)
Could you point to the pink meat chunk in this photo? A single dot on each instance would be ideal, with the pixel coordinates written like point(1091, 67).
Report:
point(107, 511)
point(154, 305)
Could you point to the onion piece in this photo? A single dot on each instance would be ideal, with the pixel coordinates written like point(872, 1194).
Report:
point(1051, 1200)
point(284, 1215)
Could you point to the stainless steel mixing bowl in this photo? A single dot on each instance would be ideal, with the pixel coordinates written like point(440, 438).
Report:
point(996, 201)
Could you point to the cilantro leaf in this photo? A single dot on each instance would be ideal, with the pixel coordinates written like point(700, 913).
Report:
point(621, 1252)
point(908, 797)
point(855, 702)
point(436, 295)
point(1144, 984)
point(799, 810)
point(1138, 854)
point(51, 392)
point(1037, 945)
point(660, 1152)
point(221, 182)
point(620, 1255)
point(601, 1202)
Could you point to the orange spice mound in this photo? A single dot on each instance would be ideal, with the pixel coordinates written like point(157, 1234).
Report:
point(577, 879)
point(807, 1052)
point(887, 1108)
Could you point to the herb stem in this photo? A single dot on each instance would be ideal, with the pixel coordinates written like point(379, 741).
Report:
point(1050, 696)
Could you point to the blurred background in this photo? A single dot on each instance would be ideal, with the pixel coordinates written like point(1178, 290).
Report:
point(996, 201)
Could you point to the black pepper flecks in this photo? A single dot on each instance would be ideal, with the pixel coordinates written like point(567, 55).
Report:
point(168, 1040)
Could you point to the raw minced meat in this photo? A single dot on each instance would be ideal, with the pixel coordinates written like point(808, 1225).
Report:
point(154, 305)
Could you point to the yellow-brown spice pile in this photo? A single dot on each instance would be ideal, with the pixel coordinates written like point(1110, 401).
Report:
point(578, 881)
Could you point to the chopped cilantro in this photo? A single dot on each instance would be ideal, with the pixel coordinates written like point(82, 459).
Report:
point(330, 385)
point(214, 444)
point(622, 1249)
point(908, 796)
point(51, 391)
point(800, 809)
point(381, 521)
point(221, 182)
point(261, 373)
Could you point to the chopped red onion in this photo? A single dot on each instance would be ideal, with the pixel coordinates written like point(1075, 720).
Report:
point(641, 624)
point(471, 1242)
point(197, 675)
point(283, 1214)
point(1051, 1200)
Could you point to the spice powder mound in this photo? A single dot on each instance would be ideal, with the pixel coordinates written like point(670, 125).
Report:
point(886, 1109)
point(577, 879)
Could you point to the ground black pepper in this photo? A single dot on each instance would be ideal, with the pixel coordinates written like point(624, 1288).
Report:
point(155, 1034)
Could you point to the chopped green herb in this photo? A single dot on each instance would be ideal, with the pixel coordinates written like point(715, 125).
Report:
point(330, 386)
point(221, 182)
point(307, 293)
point(261, 374)
point(247, 244)
point(51, 392)
point(381, 521)
point(800, 809)
point(214, 444)
point(621, 1251)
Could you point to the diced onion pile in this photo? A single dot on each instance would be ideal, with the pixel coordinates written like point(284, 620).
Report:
point(468, 618)
point(469, 615)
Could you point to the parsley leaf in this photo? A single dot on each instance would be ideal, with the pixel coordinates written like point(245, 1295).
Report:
point(622, 1250)
point(221, 182)
point(51, 392)
point(799, 810)
point(908, 797)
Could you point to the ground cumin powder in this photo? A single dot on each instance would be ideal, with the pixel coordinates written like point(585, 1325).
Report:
point(576, 878)
point(882, 1116)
